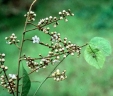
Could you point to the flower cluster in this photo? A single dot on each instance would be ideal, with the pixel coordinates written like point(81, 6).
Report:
point(65, 13)
point(54, 36)
point(71, 48)
point(12, 39)
point(6, 82)
point(58, 49)
point(47, 21)
point(9, 83)
point(31, 63)
point(50, 19)
point(59, 46)
point(2, 58)
point(59, 76)
point(3, 67)
point(30, 15)
point(44, 61)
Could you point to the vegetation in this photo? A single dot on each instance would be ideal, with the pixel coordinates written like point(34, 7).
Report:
point(83, 79)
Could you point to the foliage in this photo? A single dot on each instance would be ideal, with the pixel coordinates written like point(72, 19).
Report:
point(26, 83)
point(96, 51)
point(84, 46)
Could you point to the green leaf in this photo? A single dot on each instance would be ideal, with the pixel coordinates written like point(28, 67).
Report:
point(94, 56)
point(102, 44)
point(26, 83)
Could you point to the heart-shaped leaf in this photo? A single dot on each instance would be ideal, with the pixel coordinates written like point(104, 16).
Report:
point(94, 56)
point(102, 44)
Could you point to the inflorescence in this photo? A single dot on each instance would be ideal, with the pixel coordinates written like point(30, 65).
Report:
point(59, 49)
point(31, 16)
point(12, 39)
point(7, 82)
point(59, 76)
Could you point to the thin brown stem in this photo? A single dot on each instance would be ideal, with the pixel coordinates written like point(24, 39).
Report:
point(84, 45)
point(17, 46)
point(31, 30)
point(32, 24)
point(52, 55)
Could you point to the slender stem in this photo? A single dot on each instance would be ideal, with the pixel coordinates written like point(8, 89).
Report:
point(47, 57)
point(84, 45)
point(17, 46)
point(31, 29)
point(21, 47)
point(49, 75)
point(32, 24)
point(19, 59)
point(52, 55)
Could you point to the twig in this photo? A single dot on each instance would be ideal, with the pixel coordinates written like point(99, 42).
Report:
point(31, 29)
point(17, 46)
point(84, 45)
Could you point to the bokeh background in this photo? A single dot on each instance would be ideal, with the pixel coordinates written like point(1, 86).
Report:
point(92, 18)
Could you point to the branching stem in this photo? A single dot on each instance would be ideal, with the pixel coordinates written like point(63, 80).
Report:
point(21, 47)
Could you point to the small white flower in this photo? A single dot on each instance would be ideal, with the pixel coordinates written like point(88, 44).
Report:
point(3, 55)
point(53, 74)
point(50, 17)
point(62, 77)
point(61, 18)
point(57, 79)
point(36, 39)
point(54, 37)
point(64, 10)
point(6, 38)
point(58, 71)
point(66, 20)
point(64, 56)
point(43, 60)
point(60, 13)
point(13, 76)
point(72, 14)
point(54, 25)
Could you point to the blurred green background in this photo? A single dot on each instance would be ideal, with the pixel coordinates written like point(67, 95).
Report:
point(92, 18)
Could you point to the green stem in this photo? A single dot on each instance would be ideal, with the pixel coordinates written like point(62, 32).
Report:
point(18, 71)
